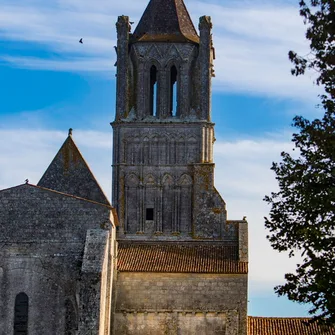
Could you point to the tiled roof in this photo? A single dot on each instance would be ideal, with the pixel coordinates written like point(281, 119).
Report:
point(166, 20)
point(187, 258)
point(285, 326)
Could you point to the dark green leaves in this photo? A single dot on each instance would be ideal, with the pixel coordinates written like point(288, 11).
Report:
point(302, 215)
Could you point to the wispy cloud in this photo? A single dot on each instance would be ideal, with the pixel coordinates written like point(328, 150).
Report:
point(251, 39)
point(27, 153)
point(80, 64)
point(243, 177)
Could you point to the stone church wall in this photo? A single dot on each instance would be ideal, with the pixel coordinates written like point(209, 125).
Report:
point(42, 241)
point(180, 303)
point(172, 323)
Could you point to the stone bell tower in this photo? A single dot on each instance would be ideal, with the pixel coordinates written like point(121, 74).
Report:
point(163, 134)
point(181, 265)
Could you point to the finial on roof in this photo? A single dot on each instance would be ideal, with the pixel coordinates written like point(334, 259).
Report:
point(27, 181)
point(70, 132)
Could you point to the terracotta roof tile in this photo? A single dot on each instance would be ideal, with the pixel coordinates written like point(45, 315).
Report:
point(187, 258)
point(285, 326)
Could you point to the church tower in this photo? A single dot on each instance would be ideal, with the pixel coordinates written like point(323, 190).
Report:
point(163, 168)
point(181, 265)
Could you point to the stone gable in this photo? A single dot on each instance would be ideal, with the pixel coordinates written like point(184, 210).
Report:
point(69, 173)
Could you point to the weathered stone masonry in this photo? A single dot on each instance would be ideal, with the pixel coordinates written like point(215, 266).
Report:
point(176, 274)
point(177, 265)
point(57, 252)
point(193, 303)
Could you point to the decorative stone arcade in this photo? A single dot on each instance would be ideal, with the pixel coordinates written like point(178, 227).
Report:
point(182, 267)
point(163, 134)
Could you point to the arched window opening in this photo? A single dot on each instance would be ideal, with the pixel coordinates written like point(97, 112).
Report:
point(21, 314)
point(70, 318)
point(173, 91)
point(153, 90)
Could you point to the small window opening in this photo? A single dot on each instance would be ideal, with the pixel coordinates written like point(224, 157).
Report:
point(149, 216)
point(153, 91)
point(21, 314)
point(173, 91)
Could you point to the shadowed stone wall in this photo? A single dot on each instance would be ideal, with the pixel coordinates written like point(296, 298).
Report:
point(42, 243)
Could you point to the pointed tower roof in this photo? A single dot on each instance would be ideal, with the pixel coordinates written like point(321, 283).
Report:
point(69, 173)
point(166, 21)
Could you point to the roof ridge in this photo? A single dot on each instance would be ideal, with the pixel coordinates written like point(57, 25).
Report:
point(187, 13)
point(180, 242)
point(67, 195)
point(12, 187)
point(72, 196)
point(57, 192)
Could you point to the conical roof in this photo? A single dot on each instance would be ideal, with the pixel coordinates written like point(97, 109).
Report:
point(69, 173)
point(166, 21)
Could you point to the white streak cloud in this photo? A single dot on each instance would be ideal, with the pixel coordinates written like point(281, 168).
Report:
point(252, 40)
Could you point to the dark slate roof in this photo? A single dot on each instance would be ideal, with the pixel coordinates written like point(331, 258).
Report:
point(179, 258)
point(22, 186)
point(285, 326)
point(166, 21)
point(69, 173)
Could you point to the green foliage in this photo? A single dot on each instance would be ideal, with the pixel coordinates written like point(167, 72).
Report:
point(320, 19)
point(302, 215)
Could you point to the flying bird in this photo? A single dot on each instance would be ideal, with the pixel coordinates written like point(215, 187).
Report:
point(131, 22)
point(81, 41)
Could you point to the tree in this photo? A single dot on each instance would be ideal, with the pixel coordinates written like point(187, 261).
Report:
point(302, 214)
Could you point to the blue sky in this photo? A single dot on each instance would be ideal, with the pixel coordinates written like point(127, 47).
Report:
point(49, 83)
